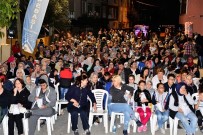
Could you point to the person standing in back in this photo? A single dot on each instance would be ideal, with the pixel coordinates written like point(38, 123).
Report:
point(66, 76)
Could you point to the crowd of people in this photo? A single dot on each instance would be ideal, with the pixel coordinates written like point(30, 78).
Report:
point(148, 75)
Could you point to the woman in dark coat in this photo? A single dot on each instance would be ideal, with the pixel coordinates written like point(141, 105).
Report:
point(78, 103)
point(20, 98)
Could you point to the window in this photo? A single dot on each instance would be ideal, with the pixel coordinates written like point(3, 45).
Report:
point(112, 13)
point(90, 7)
point(104, 12)
point(98, 10)
point(183, 7)
point(115, 1)
point(84, 9)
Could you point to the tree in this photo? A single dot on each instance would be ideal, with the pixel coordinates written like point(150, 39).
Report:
point(57, 13)
point(8, 12)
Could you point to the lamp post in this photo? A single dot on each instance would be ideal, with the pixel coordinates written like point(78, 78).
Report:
point(10, 36)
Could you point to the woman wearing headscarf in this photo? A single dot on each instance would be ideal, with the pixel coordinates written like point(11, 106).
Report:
point(181, 106)
point(88, 65)
point(12, 70)
point(20, 74)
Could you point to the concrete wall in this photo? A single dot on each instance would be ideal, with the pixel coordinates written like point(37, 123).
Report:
point(46, 41)
point(3, 39)
point(194, 14)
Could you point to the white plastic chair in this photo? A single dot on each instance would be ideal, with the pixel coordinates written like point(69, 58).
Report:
point(153, 123)
point(99, 96)
point(49, 123)
point(25, 125)
point(69, 123)
point(173, 125)
point(5, 125)
point(59, 102)
point(121, 115)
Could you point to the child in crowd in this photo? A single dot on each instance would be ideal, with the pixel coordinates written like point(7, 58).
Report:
point(143, 97)
point(132, 83)
point(159, 100)
point(131, 79)
point(150, 88)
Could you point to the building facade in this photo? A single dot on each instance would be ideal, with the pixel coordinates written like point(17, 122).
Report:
point(191, 11)
point(114, 11)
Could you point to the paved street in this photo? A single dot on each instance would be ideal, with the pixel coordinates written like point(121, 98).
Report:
point(60, 128)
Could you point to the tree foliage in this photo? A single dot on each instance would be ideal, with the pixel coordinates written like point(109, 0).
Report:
point(57, 13)
point(8, 12)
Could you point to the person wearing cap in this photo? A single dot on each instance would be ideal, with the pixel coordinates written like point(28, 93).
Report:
point(181, 106)
point(43, 100)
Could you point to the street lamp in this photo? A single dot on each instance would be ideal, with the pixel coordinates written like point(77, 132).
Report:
point(11, 36)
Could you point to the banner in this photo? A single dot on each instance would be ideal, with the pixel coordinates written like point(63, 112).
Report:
point(32, 23)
